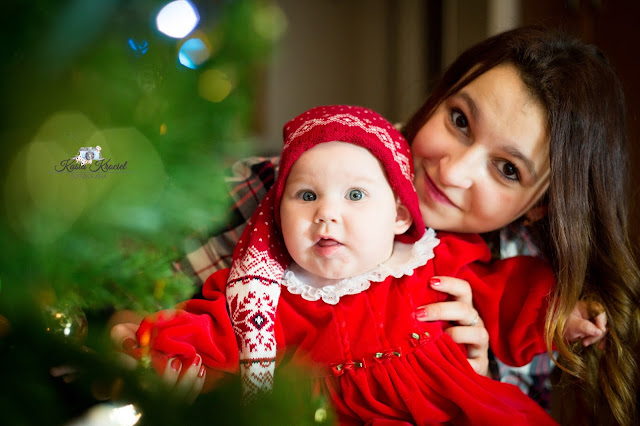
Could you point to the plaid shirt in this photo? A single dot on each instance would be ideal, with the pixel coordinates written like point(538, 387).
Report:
point(251, 179)
point(534, 379)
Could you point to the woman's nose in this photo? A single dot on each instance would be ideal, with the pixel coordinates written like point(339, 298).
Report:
point(461, 168)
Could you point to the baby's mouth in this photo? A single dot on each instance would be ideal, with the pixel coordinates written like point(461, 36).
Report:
point(327, 242)
point(327, 246)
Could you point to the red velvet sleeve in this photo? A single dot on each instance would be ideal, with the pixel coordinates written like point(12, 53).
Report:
point(511, 295)
point(199, 326)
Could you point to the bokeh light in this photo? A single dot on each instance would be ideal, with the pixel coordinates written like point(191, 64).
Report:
point(45, 196)
point(177, 19)
point(270, 22)
point(42, 204)
point(194, 52)
point(141, 183)
point(214, 85)
point(109, 414)
point(138, 47)
point(40, 209)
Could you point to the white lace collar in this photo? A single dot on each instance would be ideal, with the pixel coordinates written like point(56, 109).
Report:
point(404, 259)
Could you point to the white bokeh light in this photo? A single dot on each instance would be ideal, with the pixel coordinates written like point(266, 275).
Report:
point(177, 19)
point(109, 414)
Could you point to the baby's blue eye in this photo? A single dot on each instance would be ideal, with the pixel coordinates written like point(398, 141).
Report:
point(355, 195)
point(307, 196)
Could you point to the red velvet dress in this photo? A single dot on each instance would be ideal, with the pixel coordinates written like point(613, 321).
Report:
point(373, 360)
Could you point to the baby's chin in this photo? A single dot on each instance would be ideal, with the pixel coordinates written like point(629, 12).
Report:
point(341, 273)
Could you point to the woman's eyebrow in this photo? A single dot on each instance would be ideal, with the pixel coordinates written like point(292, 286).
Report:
point(473, 109)
point(513, 151)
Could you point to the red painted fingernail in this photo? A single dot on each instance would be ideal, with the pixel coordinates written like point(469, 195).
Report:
point(176, 364)
point(434, 281)
point(201, 372)
point(129, 343)
point(196, 360)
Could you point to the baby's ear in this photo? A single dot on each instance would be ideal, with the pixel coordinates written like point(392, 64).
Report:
point(403, 218)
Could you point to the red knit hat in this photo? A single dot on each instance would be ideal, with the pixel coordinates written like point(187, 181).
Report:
point(260, 258)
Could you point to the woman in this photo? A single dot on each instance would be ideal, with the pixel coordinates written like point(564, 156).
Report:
point(584, 232)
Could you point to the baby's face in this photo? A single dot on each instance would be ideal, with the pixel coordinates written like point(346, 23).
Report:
point(339, 215)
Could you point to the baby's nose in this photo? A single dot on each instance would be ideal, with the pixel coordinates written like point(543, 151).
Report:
point(327, 212)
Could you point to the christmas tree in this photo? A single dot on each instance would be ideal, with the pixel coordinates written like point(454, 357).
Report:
point(119, 120)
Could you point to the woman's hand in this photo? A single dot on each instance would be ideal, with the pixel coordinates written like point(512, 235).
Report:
point(186, 386)
point(587, 322)
point(470, 330)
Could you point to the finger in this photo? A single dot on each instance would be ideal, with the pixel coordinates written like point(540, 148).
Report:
point(480, 365)
point(191, 381)
point(184, 385)
point(582, 330)
point(466, 335)
point(585, 330)
point(198, 384)
point(601, 321)
point(593, 308)
point(476, 340)
point(477, 346)
point(589, 329)
point(172, 372)
point(67, 373)
point(459, 289)
point(122, 333)
point(126, 361)
point(446, 311)
point(590, 340)
point(62, 370)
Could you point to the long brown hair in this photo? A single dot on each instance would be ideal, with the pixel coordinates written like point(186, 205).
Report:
point(585, 233)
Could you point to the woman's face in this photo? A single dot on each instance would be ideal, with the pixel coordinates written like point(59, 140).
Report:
point(482, 159)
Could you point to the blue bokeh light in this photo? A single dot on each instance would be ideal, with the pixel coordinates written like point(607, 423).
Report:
point(139, 48)
point(193, 53)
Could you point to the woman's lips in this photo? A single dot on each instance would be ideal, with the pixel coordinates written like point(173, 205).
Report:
point(435, 192)
point(326, 246)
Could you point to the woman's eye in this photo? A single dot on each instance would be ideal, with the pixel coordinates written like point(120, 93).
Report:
point(508, 170)
point(306, 196)
point(355, 195)
point(459, 120)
